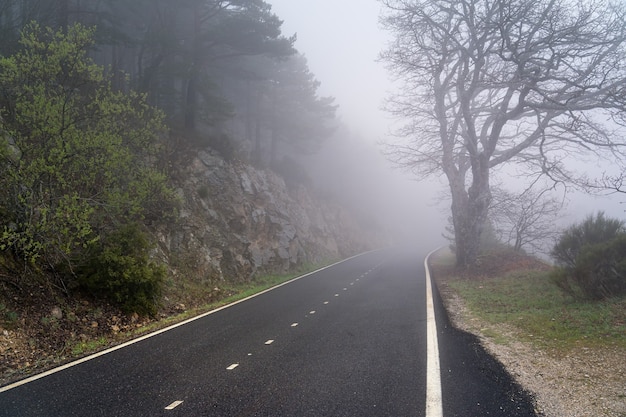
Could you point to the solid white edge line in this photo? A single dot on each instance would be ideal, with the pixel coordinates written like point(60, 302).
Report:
point(182, 323)
point(434, 402)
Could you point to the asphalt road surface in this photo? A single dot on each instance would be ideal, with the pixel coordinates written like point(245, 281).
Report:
point(349, 340)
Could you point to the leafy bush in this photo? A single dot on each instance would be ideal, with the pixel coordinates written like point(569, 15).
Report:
point(119, 269)
point(601, 269)
point(592, 259)
point(590, 232)
point(224, 145)
point(76, 157)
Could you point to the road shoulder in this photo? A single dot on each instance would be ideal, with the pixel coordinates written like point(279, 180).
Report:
point(585, 383)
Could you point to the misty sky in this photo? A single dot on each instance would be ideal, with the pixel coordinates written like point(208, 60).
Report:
point(341, 40)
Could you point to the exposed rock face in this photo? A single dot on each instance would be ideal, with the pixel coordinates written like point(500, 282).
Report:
point(237, 221)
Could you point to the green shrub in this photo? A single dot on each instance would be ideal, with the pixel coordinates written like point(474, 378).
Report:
point(119, 269)
point(223, 144)
point(601, 269)
point(76, 155)
point(592, 259)
point(563, 279)
point(203, 192)
point(591, 231)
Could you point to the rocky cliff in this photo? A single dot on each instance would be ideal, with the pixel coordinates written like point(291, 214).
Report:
point(237, 221)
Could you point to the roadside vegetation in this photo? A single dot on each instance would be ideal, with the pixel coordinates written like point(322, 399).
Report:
point(560, 330)
point(37, 339)
point(87, 165)
point(579, 302)
point(79, 181)
point(531, 302)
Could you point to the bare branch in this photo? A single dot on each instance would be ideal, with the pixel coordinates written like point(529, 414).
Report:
point(489, 83)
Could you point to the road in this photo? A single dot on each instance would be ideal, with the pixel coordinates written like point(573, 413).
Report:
point(349, 340)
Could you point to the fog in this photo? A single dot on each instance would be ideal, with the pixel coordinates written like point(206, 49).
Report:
point(342, 40)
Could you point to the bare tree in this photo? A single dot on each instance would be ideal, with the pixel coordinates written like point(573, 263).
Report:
point(525, 220)
point(608, 184)
point(491, 82)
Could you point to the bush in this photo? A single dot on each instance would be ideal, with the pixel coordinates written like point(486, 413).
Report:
point(601, 269)
point(76, 156)
point(591, 231)
point(592, 256)
point(224, 145)
point(119, 269)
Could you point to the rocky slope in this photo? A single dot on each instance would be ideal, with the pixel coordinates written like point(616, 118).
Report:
point(235, 223)
point(238, 221)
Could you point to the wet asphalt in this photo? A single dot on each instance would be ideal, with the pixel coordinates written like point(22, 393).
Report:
point(348, 340)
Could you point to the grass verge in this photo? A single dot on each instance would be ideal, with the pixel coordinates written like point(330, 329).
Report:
point(231, 292)
point(529, 302)
point(33, 341)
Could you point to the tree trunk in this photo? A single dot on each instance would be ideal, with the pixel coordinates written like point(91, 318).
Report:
point(191, 102)
point(258, 148)
point(274, 127)
point(63, 12)
point(469, 213)
point(249, 111)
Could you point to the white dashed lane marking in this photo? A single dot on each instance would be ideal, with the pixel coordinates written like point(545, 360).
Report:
point(270, 341)
point(173, 405)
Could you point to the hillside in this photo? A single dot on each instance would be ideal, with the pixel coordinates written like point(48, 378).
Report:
point(238, 222)
point(235, 226)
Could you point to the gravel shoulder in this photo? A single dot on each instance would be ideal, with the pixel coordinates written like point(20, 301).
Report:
point(589, 382)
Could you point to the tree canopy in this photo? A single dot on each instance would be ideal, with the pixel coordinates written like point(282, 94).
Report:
point(99, 97)
point(208, 64)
